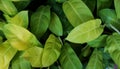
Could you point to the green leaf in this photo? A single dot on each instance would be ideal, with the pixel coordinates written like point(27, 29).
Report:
point(51, 51)
point(68, 58)
point(34, 56)
point(40, 21)
point(8, 7)
point(109, 17)
point(99, 42)
point(96, 60)
point(117, 7)
point(86, 32)
point(85, 51)
point(19, 37)
point(7, 52)
point(20, 19)
point(113, 47)
point(20, 63)
point(77, 12)
point(21, 4)
point(55, 25)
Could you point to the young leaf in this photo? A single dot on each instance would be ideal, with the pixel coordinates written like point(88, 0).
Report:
point(113, 47)
point(19, 37)
point(34, 56)
point(20, 63)
point(109, 17)
point(40, 21)
point(86, 32)
point(7, 52)
point(117, 7)
point(51, 51)
point(20, 19)
point(99, 42)
point(68, 59)
point(8, 7)
point(77, 12)
point(55, 25)
point(96, 60)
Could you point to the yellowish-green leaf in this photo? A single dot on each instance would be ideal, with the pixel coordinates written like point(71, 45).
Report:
point(40, 21)
point(51, 51)
point(34, 56)
point(7, 52)
point(55, 25)
point(68, 58)
point(19, 37)
point(113, 47)
point(86, 32)
point(96, 60)
point(20, 19)
point(77, 12)
point(8, 7)
point(117, 7)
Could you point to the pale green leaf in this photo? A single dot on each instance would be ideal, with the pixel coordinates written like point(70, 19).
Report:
point(51, 51)
point(86, 32)
point(96, 60)
point(20, 63)
point(117, 7)
point(99, 42)
point(7, 52)
point(34, 56)
point(19, 37)
point(68, 58)
point(40, 21)
point(113, 47)
point(77, 12)
point(8, 7)
point(55, 25)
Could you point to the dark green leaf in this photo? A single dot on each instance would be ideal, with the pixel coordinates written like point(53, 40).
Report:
point(86, 32)
point(40, 21)
point(99, 42)
point(51, 51)
point(68, 59)
point(109, 17)
point(77, 12)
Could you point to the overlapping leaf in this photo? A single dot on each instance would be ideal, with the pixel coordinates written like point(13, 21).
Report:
point(68, 59)
point(96, 60)
point(34, 56)
point(55, 25)
point(40, 21)
point(8, 7)
point(86, 32)
point(7, 52)
point(19, 37)
point(51, 51)
point(113, 47)
point(109, 17)
point(117, 7)
point(77, 12)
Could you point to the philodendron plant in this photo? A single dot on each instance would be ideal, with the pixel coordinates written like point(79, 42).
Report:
point(59, 34)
